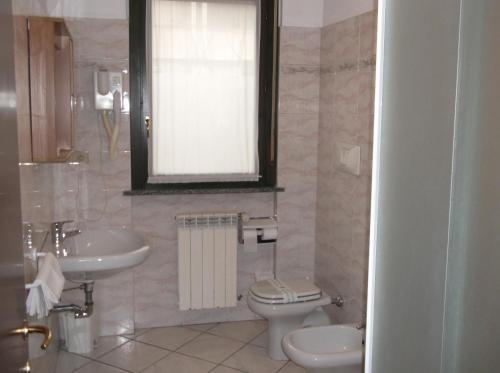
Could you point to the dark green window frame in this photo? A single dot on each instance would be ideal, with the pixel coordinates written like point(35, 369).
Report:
point(267, 112)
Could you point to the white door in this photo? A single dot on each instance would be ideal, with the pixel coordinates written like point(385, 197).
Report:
point(14, 330)
point(13, 347)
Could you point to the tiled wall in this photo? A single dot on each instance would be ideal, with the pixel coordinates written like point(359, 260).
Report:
point(343, 201)
point(299, 82)
point(91, 194)
point(326, 83)
point(37, 200)
point(37, 205)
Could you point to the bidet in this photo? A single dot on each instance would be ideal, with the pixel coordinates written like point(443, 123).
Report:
point(326, 349)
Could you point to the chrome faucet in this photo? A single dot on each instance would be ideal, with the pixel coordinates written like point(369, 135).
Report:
point(58, 234)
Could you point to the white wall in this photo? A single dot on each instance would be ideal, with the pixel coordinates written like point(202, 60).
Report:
point(338, 10)
point(111, 9)
point(300, 13)
point(318, 13)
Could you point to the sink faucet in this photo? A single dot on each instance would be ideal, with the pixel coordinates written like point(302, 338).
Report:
point(58, 234)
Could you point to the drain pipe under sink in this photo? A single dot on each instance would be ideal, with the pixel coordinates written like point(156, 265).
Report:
point(80, 312)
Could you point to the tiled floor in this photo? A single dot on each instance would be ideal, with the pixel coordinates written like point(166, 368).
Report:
point(231, 347)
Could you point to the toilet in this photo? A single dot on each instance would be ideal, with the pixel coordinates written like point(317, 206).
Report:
point(287, 305)
point(326, 349)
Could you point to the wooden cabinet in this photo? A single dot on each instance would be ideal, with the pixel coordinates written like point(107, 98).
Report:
point(44, 89)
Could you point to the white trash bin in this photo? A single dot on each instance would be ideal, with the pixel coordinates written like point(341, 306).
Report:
point(79, 334)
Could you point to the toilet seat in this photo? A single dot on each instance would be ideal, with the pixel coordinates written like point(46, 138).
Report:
point(276, 291)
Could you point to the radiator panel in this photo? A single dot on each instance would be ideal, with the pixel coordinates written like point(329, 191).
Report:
point(207, 245)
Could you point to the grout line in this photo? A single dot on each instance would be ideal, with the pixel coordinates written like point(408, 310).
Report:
point(199, 358)
point(202, 332)
point(265, 331)
point(191, 326)
point(191, 340)
point(234, 339)
point(152, 345)
point(102, 363)
point(135, 335)
point(223, 366)
point(156, 361)
point(97, 359)
point(113, 366)
point(105, 353)
point(244, 345)
point(76, 369)
point(195, 357)
point(283, 367)
point(219, 363)
point(230, 356)
point(249, 344)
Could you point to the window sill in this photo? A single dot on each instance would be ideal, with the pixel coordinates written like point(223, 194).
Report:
point(157, 192)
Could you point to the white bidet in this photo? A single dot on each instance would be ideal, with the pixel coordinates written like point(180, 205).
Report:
point(326, 349)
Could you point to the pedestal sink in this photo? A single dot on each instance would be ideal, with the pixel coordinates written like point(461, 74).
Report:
point(97, 254)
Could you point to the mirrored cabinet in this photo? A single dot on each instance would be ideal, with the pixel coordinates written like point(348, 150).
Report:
point(44, 89)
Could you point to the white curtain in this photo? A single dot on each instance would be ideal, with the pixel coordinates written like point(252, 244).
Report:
point(204, 72)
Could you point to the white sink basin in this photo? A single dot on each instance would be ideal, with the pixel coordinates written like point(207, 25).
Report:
point(97, 254)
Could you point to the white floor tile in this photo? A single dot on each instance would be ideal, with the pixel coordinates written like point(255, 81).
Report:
point(68, 362)
point(211, 348)
point(106, 344)
point(253, 359)
point(134, 356)
point(96, 367)
point(180, 364)
point(243, 331)
point(261, 340)
point(170, 338)
point(291, 367)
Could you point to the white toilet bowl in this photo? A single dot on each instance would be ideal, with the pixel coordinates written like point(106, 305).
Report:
point(285, 317)
point(326, 349)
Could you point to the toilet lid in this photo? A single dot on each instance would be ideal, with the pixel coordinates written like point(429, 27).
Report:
point(276, 291)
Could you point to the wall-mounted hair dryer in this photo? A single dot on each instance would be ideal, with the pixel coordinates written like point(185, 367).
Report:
point(112, 100)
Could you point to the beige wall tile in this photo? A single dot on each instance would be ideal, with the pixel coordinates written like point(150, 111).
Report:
point(300, 45)
point(343, 200)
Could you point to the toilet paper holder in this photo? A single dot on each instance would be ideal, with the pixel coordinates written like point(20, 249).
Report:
point(260, 224)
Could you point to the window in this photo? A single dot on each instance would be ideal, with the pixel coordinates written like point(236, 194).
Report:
point(204, 73)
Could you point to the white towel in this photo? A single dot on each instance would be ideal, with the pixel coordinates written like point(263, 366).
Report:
point(47, 288)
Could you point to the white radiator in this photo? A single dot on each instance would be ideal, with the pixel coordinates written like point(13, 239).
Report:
point(207, 245)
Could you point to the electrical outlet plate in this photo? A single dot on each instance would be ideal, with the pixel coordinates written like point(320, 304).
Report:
point(349, 157)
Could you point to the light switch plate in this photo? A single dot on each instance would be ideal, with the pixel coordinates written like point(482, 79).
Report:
point(349, 157)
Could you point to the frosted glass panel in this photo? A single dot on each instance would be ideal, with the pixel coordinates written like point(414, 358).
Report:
point(472, 337)
point(414, 131)
point(434, 287)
